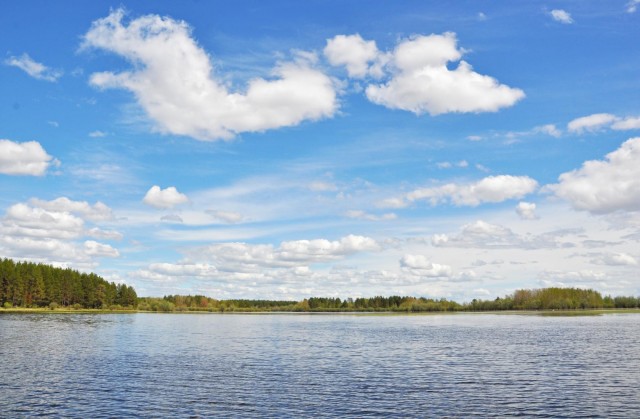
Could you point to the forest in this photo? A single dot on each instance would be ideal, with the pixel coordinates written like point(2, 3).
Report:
point(31, 285)
point(536, 299)
point(27, 284)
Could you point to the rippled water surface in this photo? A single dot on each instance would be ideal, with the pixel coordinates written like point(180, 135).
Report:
point(203, 365)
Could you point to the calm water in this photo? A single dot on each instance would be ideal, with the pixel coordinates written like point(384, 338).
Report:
point(192, 365)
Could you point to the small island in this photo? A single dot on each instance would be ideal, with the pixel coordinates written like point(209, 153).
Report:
point(31, 286)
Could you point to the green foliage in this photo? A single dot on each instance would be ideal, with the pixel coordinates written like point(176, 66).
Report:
point(27, 284)
point(554, 299)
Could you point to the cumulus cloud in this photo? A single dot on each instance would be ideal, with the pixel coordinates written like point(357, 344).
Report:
point(93, 248)
point(50, 231)
point(33, 68)
point(484, 235)
point(24, 220)
point(96, 212)
point(421, 82)
point(48, 249)
point(604, 186)
point(184, 269)
point(591, 123)
point(244, 257)
point(321, 249)
point(164, 198)
point(526, 210)
point(561, 16)
point(353, 52)
point(28, 158)
point(172, 72)
point(490, 189)
point(421, 266)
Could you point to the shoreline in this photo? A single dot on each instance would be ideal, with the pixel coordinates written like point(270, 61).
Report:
point(551, 313)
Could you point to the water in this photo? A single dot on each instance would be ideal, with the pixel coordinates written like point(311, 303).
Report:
point(203, 365)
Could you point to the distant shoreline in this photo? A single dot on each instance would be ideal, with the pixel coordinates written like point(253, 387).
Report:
point(568, 312)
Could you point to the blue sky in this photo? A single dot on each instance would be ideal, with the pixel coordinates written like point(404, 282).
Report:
point(294, 149)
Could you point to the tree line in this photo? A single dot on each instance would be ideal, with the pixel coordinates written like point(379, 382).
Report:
point(554, 298)
point(524, 299)
point(27, 284)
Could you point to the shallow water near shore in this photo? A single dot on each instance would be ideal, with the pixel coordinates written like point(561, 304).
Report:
point(202, 365)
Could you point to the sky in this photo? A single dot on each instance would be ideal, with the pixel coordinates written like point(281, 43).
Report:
point(287, 149)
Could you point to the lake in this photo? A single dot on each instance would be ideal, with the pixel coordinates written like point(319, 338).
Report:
point(304, 365)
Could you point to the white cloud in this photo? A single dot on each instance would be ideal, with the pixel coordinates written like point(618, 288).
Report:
point(600, 121)
point(164, 198)
point(49, 231)
point(95, 212)
point(320, 186)
point(361, 215)
point(23, 220)
point(549, 129)
point(93, 248)
point(482, 168)
point(229, 217)
point(421, 82)
point(448, 165)
point(420, 266)
point(632, 6)
point(550, 277)
point(392, 203)
point(561, 16)
point(592, 122)
point(171, 71)
point(51, 250)
point(354, 53)
point(172, 218)
point(613, 259)
point(104, 234)
point(627, 123)
point(484, 235)
point(33, 68)
point(97, 134)
point(490, 189)
point(321, 249)
point(526, 210)
point(244, 257)
point(185, 269)
point(605, 186)
point(28, 158)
